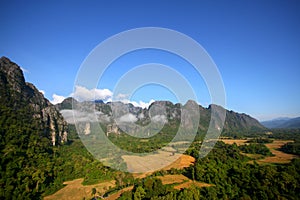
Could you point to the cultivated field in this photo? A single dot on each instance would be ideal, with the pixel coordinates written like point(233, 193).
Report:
point(119, 193)
point(75, 190)
point(171, 179)
point(191, 183)
point(180, 181)
point(162, 160)
point(232, 141)
point(280, 157)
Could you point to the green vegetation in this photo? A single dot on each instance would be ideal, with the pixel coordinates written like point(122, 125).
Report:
point(260, 140)
point(31, 167)
point(291, 147)
point(231, 176)
point(253, 148)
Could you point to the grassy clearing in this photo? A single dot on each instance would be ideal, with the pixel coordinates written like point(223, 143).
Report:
point(74, 190)
point(171, 179)
point(190, 184)
point(119, 193)
point(180, 181)
point(182, 161)
point(162, 160)
point(237, 142)
point(280, 157)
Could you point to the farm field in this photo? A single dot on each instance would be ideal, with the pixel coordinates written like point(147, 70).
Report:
point(280, 157)
point(232, 141)
point(163, 160)
point(119, 193)
point(181, 181)
point(74, 190)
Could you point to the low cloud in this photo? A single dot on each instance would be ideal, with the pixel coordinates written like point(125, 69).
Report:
point(159, 118)
point(127, 118)
point(79, 116)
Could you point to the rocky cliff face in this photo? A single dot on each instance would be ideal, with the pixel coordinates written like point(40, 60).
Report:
point(18, 94)
point(126, 115)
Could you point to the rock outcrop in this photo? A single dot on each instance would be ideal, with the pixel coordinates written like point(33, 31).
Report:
point(17, 94)
point(118, 117)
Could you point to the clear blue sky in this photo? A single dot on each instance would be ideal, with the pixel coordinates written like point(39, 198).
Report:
point(255, 44)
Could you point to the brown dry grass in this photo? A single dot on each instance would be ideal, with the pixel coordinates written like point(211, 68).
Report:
point(191, 183)
point(183, 161)
point(119, 193)
point(232, 141)
point(280, 157)
point(181, 181)
point(170, 179)
point(75, 190)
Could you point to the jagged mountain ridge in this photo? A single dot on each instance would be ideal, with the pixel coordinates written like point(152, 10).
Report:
point(234, 122)
point(16, 94)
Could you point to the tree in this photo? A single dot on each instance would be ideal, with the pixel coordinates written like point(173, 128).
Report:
point(94, 191)
point(139, 193)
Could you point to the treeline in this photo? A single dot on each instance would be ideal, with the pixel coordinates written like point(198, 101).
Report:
point(253, 148)
point(291, 147)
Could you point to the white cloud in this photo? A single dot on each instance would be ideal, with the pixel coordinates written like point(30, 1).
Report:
point(141, 116)
point(159, 118)
point(127, 118)
point(42, 91)
point(141, 104)
point(57, 99)
point(121, 96)
point(83, 94)
point(79, 116)
point(24, 70)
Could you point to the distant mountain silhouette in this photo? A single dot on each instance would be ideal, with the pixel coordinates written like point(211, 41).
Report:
point(282, 123)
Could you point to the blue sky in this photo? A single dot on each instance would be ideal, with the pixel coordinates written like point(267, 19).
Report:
point(255, 45)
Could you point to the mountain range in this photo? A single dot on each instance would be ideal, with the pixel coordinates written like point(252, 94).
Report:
point(16, 92)
point(282, 123)
point(34, 132)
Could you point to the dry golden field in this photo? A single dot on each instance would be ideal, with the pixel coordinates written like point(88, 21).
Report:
point(75, 190)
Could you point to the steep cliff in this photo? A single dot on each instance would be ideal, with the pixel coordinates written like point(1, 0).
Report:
point(18, 95)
